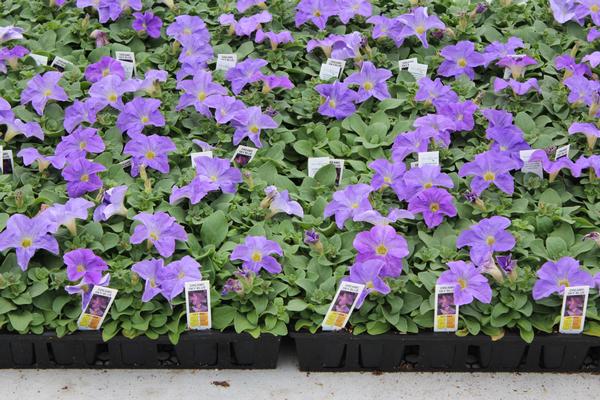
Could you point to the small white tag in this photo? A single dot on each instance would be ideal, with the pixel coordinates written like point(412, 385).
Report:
point(316, 163)
point(414, 164)
point(342, 306)
point(562, 151)
point(329, 71)
point(418, 70)
point(197, 154)
point(39, 60)
point(127, 60)
point(197, 305)
point(97, 308)
point(428, 158)
point(60, 63)
point(572, 315)
point(7, 165)
point(339, 169)
point(226, 61)
point(337, 63)
point(243, 155)
point(446, 312)
point(404, 64)
point(534, 167)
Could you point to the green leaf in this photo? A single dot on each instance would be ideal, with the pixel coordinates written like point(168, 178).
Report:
point(214, 229)
point(556, 247)
point(296, 305)
point(6, 306)
point(20, 320)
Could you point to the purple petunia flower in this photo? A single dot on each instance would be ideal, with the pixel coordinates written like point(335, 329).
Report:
point(196, 190)
point(371, 82)
point(439, 125)
point(275, 38)
point(150, 82)
point(460, 112)
point(77, 145)
point(244, 73)
point(66, 214)
point(15, 127)
point(225, 107)
point(198, 90)
point(27, 236)
point(411, 142)
point(591, 132)
point(256, 252)
point(271, 82)
point(497, 50)
point(174, 275)
point(518, 88)
point(552, 167)
point(386, 174)
point(105, 67)
point(581, 90)
point(373, 217)
point(368, 273)
point(588, 7)
point(10, 33)
point(148, 270)
point(349, 202)
point(469, 283)
point(248, 25)
point(460, 59)
point(113, 203)
point(337, 100)
point(188, 29)
point(149, 151)
point(347, 9)
point(563, 10)
point(249, 122)
point(85, 265)
point(80, 112)
point(422, 178)
point(593, 59)
point(81, 177)
point(196, 53)
point(219, 172)
point(435, 91)
point(490, 167)
point(100, 37)
point(387, 27)
point(418, 23)
point(279, 202)
point(160, 230)
point(567, 63)
point(31, 155)
point(243, 5)
point(317, 11)
point(506, 264)
point(85, 289)
point(516, 64)
point(382, 243)
point(554, 277)
point(11, 57)
point(110, 89)
point(486, 237)
point(139, 113)
point(593, 34)
point(42, 88)
point(147, 22)
point(433, 203)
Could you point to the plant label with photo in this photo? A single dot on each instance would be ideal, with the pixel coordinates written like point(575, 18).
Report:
point(60, 64)
point(404, 64)
point(127, 60)
point(562, 152)
point(39, 60)
point(226, 61)
point(7, 164)
point(418, 70)
point(97, 308)
point(342, 306)
point(572, 316)
point(243, 155)
point(197, 305)
point(428, 158)
point(197, 154)
point(534, 167)
point(446, 312)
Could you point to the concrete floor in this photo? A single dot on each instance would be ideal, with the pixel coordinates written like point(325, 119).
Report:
point(287, 383)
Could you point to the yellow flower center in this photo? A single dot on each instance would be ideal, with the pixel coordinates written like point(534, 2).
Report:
point(26, 242)
point(387, 179)
point(595, 8)
point(153, 235)
point(462, 283)
point(223, 111)
point(80, 268)
point(317, 13)
point(82, 145)
point(150, 155)
point(370, 285)
point(202, 96)
point(420, 29)
point(256, 256)
point(145, 119)
point(181, 275)
point(187, 31)
point(112, 97)
point(427, 185)
point(254, 129)
point(368, 85)
point(434, 207)
point(85, 178)
point(105, 72)
point(47, 92)
point(563, 282)
point(332, 104)
point(490, 240)
point(462, 62)
point(354, 205)
point(152, 283)
point(489, 176)
point(213, 178)
point(381, 250)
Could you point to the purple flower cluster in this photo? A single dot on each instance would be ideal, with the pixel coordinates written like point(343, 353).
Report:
point(87, 268)
point(167, 280)
point(110, 10)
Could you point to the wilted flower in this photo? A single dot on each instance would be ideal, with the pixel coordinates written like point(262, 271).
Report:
point(554, 277)
point(101, 37)
point(256, 252)
point(384, 244)
point(81, 176)
point(387, 27)
point(469, 283)
point(42, 88)
point(160, 230)
point(592, 133)
point(279, 202)
point(433, 203)
point(349, 202)
point(113, 203)
point(66, 215)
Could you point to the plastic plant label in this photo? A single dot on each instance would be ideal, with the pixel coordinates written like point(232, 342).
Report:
point(197, 305)
point(339, 169)
point(418, 70)
point(39, 60)
point(342, 306)
point(572, 316)
point(428, 158)
point(562, 151)
point(97, 307)
point(127, 60)
point(329, 71)
point(7, 165)
point(316, 163)
point(197, 154)
point(243, 155)
point(60, 64)
point(534, 167)
point(226, 61)
point(446, 312)
point(337, 63)
point(404, 64)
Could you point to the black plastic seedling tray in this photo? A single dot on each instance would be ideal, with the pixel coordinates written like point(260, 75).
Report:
point(342, 351)
point(198, 350)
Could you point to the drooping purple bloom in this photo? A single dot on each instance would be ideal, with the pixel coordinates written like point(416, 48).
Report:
point(371, 82)
point(196, 190)
point(150, 82)
point(485, 238)
point(593, 59)
point(31, 155)
point(368, 273)
point(418, 22)
point(554, 277)
point(497, 50)
point(139, 113)
point(469, 283)
point(552, 167)
point(77, 145)
point(435, 91)
point(148, 270)
point(160, 230)
point(563, 10)
point(80, 112)
point(491, 167)
point(174, 275)
point(42, 88)
point(105, 67)
point(100, 37)
point(85, 265)
point(271, 82)
point(411, 142)
point(196, 53)
point(588, 7)
point(248, 25)
point(11, 57)
point(506, 264)
point(275, 38)
point(591, 132)
point(256, 252)
point(386, 174)
point(439, 125)
point(349, 202)
point(460, 59)
point(111, 10)
point(518, 88)
point(147, 22)
point(422, 178)
point(81, 176)
point(27, 236)
point(567, 63)
point(113, 203)
point(387, 27)
point(220, 172)
point(433, 203)
point(66, 214)
point(347, 46)
point(15, 127)
point(581, 90)
point(84, 289)
point(188, 29)
point(149, 151)
point(337, 100)
point(198, 90)
point(226, 107)
point(249, 123)
point(279, 202)
point(10, 33)
point(516, 64)
point(382, 243)
point(317, 11)
point(244, 73)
